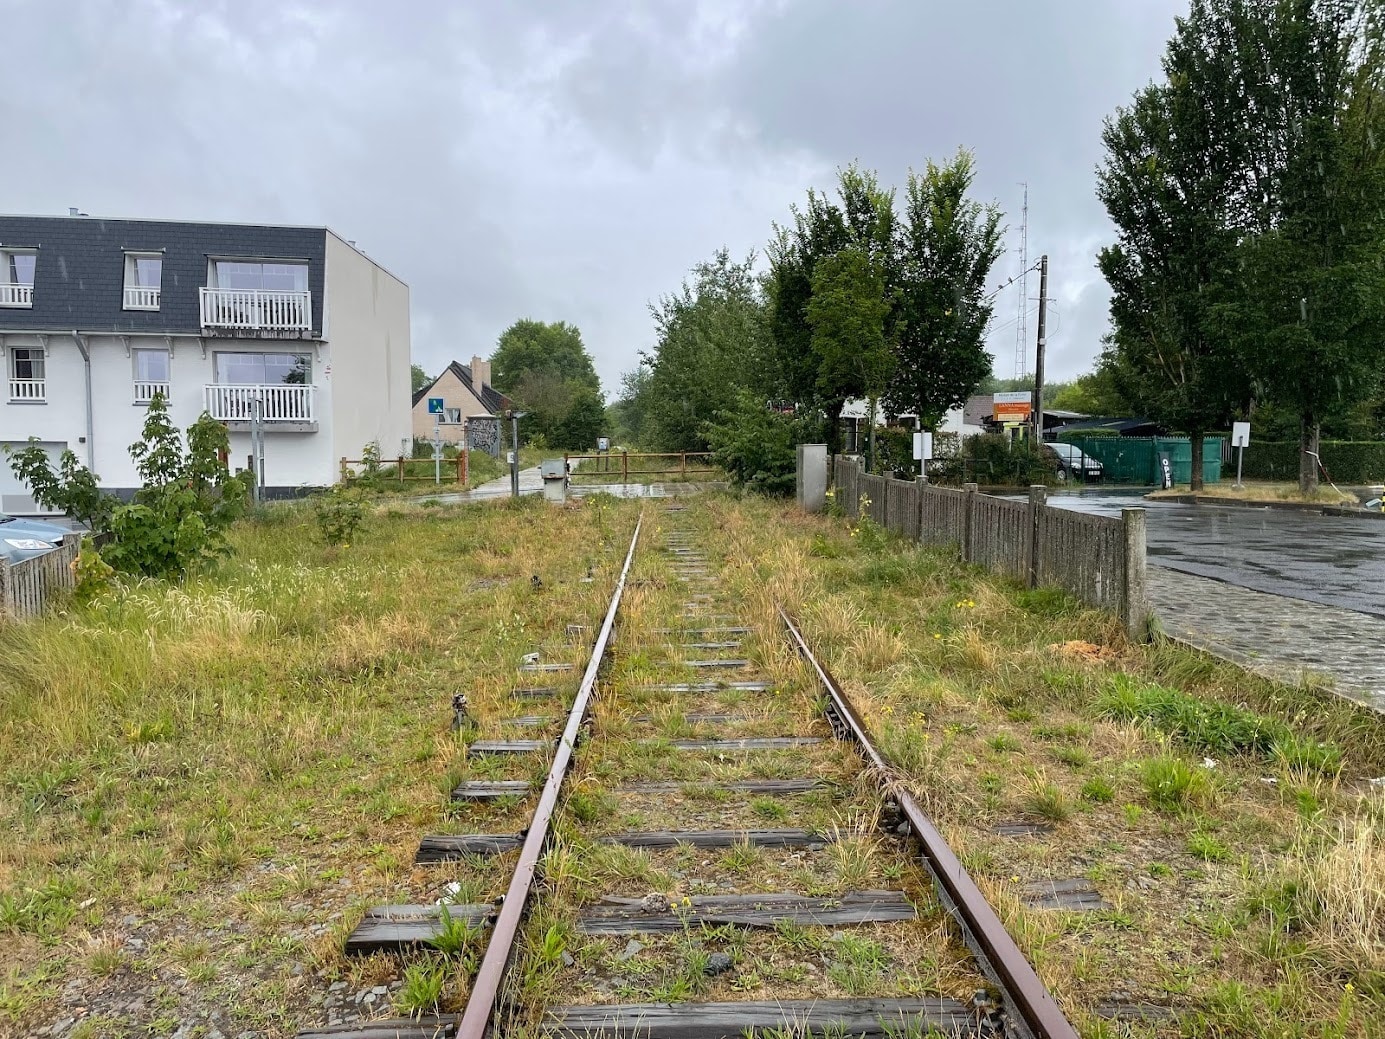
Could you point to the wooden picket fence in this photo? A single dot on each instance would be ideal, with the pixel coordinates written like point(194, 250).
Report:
point(27, 586)
point(1098, 559)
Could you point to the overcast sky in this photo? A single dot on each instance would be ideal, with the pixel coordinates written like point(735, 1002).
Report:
point(571, 159)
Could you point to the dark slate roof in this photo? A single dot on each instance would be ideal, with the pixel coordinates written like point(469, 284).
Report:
point(495, 401)
point(80, 274)
point(1123, 426)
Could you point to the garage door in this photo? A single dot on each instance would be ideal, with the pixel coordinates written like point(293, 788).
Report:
point(15, 499)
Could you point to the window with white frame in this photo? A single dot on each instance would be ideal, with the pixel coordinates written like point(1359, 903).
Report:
point(27, 381)
point(451, 416)
point(263, 369)
point(17, 277)
point(143, 280)
point(265, 277)
point(151, 374)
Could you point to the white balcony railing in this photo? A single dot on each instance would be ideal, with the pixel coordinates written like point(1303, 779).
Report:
point(141, 297)
point(12, 295)
point(145, 391)
point(281, 403)
point(28, 389)
point(257, 309)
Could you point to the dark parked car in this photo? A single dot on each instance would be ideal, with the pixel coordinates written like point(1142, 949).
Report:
point(1073, 463)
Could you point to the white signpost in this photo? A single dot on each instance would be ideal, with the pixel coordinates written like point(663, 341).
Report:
point(923, 451)
point(1240, 440)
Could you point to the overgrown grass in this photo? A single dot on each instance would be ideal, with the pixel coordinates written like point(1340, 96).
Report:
point(255, 751)
point(1173, 781)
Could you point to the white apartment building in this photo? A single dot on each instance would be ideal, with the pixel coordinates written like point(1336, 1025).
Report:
point(97, 316)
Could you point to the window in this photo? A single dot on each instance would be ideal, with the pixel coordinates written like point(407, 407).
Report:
point(26, 375)
point(267, 277)
point(17, 277)
point(143, 280)
point(238, 369)
point(451, 416)
point(151, 374)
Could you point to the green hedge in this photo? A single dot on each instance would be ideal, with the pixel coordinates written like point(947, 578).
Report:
point(1347, 461)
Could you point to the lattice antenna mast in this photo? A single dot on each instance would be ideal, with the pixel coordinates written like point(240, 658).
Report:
point(1022, 331)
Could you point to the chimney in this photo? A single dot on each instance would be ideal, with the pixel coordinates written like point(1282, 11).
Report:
point(72, 210)
point(480, 372)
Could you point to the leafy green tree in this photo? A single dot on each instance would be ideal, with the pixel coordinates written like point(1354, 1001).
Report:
point(72, 489)
point(1310, 296)
point(418, 377)
point(1171, 205)
point(530, 347)
point(863, 221)
point(711, 341)
point(547, 371)
point(848, 313)
point(176, 520)
point(947, 245)
point(629, 416)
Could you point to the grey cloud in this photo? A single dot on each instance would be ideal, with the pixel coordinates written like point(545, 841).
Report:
point(562, 160)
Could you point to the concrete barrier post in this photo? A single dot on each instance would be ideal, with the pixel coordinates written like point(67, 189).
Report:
point(968, 521)
point(1135, 607)
point(812, 477)
point(1038, 496)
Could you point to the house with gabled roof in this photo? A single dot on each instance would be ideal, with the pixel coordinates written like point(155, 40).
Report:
point(459, 403)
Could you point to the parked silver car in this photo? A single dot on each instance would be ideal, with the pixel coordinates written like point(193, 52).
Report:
point(25, 538)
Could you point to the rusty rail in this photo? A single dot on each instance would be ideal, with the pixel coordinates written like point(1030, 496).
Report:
point(480, 1006)
point(1025, 996)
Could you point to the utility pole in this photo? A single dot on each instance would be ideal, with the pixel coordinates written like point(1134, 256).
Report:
point(1039, 353)
point(514, 454)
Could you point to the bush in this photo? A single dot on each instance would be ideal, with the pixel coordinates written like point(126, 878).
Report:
point(176, 520)
point(1346, 461)
point(991, 458)
point(339, 514)
point(756, 445)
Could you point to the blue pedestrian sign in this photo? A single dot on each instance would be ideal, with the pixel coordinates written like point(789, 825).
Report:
point(435, 405)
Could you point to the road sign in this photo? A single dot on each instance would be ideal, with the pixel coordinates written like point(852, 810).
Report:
point(1012, 406)
point(603, 443)
point(435, 405)
point(1240, 434)
point(923, 446)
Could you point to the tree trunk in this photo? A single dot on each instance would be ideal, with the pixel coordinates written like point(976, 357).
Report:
point(1195, 473)
point(1309, 431)
point(834, 426)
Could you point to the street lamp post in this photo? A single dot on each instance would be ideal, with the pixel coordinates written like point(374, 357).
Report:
point(514, 417)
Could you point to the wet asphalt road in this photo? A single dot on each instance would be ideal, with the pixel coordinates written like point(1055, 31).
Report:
point(1337, 560)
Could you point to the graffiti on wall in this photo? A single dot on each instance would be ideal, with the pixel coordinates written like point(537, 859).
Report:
point(483, 434)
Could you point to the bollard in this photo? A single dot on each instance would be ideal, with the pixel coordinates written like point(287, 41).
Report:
point(1135, 605)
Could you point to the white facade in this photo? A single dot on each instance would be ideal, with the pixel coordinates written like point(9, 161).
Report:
point(349, 387)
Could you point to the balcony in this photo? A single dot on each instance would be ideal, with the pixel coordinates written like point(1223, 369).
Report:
point(146, 391)
point(28, 391)
point(257, 310)
point(141, 297)
point(12, 295)
point(283, 407)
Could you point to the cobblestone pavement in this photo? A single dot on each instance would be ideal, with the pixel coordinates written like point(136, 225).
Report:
point(1277, 636)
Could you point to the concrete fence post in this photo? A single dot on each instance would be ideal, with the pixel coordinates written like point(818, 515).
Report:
point(1135, 607)
point(922, 484)
point(6, 589)
point(968, 521)
point(1038, 496)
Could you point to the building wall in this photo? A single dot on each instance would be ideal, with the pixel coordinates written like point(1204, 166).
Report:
point(291, 459)
point(454, 394)
point(367, 329)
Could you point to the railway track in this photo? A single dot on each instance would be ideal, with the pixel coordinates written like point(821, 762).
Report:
point(705, 850)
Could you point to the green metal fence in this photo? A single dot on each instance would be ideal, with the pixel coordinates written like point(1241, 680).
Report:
point(1136, 459)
